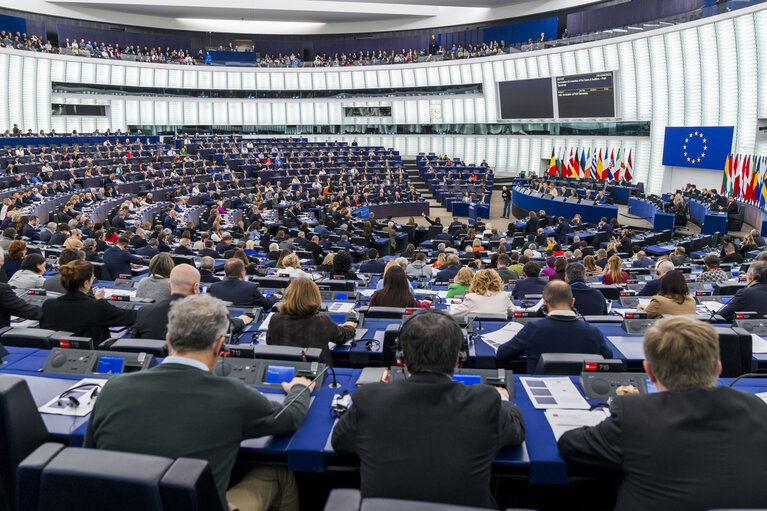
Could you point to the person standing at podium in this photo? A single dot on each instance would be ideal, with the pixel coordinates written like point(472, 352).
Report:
point(401, 430)
point(692, 445)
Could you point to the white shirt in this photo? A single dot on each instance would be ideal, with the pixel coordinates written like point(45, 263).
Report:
point(494, 303)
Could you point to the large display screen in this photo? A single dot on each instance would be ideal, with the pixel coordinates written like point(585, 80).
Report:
point(589, 95)
point(526, 99)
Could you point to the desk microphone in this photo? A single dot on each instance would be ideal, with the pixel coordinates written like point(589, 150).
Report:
point(271, 420)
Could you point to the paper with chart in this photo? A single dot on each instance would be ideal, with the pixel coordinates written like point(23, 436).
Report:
point(341, 307)
point(562, 421)
point(502, 335)
point(554, 393)
point(264, 326)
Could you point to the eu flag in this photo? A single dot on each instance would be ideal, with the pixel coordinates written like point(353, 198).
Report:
point(698, 147)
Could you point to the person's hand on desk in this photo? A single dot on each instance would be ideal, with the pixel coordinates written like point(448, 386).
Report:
point(350, 323)
point(98, 294)
point(136, 266)
point(278, 295)
point(300, 380)
point(245, 319)
point(503, 392)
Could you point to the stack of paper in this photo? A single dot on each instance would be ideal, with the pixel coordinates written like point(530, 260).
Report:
point(503, 335)
point(562, 421)
point(557, 392)
point(758, 345)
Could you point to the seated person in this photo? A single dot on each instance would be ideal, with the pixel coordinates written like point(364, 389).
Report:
point(152, 319)
point(588, 301)
point(642, 261)
point(400, 429)
point(679, 257)
point(461, 283)
point(79, 312)
point(207, 265)
point(396, 291)
point(485, 296)
point(532, 284)
point(53, 283)
point(559, 269)
point(672, 446)
point(299, 315)
point(673, 297)
point(652, 287)
point(713, 273)
point(560, 332)
point(372, 265)
point(730, 255)
point(155, 285)
point(12, 305)
point(151, 412)
point(502, 267)
point(235, 289)
point(613, 273)
point(419, 267)
point(30, 274)
point(342, 267)
point(16, 252)
point(751, 298)
point(290, 268)
point(452, 265)
point(118, 259)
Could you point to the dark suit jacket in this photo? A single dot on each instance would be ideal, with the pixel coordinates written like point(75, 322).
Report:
point(651, 288)
point(208, 277)
point(287, 330)
point(554, 334)
point(588, 301)
point(84, 316)
point(372, 267)
point(240, 292)
point(224, 412)
point(687, 450)
point(146, 251)
point(400, 431)
point(752, 299)
point(11, 305)
point(208, 252)
point(561, 232)
point(30, 232)
point(137, 241)
point(528, 286)
point(152, 320)
point(118, 261)
point(446, 274)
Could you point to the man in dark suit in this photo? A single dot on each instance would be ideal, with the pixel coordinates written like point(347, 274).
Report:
point(588, 301)
point(317, 253)
point(642, 261)
point(119, 260)
point(47, 233)
point(225, 244)
point(452, 266)
point(207, 265)
point(753, 297)
point(236, 290)
point(138, 240)
point(118, 222)
point(561, 332)
point(183, 247)
point(60, 236)
point(170, 221)
point(692, 445)
point(208, 251)
point(400, 429)
point(444, 235)
point(372, 265)
point(532, 284)
point(730, 255)
point(652, 287)
point(562, 230)
point(150, 412)
point(11, 305)
point(152, 320)
point(30, 229)
point(150, 250)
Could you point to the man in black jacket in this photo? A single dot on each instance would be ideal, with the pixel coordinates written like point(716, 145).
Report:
point(753, 297)
point(588, 301)
point(181, 409)
point(152, 320)
point(236, 290)
point(652, 287)
point(400, 429)
point(11, 305)
point(690, 446)
point(532, 284)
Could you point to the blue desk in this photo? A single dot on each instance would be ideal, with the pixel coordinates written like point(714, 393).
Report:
point(460, 209)
point(660, 221)
point(588, 213)
point(621, 194)
point(710, 222)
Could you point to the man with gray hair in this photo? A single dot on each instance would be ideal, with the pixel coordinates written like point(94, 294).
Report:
point(588, 301)
point(181, 409)
point(50, 228)
point(753, 297)
point(652, 287)
point(207, 266)
point(691, 445)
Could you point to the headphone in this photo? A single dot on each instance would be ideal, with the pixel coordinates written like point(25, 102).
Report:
point(67, 401)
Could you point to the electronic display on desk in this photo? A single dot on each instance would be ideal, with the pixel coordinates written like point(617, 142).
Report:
point(526, 99)
point(279, 374)
point(342, 296)
point(468, 379)
point(338, 319)
point(588, 95)
point(110, 365)
point(726, 299)
point(268, 292)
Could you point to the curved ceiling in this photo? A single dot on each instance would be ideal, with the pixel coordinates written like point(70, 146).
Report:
point(293, 17)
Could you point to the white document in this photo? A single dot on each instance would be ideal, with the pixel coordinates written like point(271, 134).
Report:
point(264, 326)
point(367, 292)
point(554, 393)
point(712, 306)
point(109, 293)
point(503, 335)
point(82, 391)
point(758, 345)
point(623, 312)
point(762, 396)
point(442, 294)
point(562, 421)
point(534, 307)
point(341, 307)
point(644, 302)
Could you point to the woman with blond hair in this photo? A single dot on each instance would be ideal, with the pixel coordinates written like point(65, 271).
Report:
point(298, 322)
point(591, 265)
point(486, 295)
point(613, 273)
point(440, 262)
point(461, 283)
point(291, 268)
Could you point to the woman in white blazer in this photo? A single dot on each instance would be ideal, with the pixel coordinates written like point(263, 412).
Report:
point(485, 296)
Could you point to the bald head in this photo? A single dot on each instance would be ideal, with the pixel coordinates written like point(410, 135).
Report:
point(184, 280)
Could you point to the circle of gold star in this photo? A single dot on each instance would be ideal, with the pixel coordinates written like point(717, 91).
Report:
point(699, 136)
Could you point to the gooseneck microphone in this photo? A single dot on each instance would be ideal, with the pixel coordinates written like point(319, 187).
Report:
point(272, 419)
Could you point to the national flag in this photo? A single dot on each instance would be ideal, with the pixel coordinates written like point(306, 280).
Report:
point(583, 162)
point(755, 179)
point(600, 167)
point(763, 195)
point(725, 176)
point(611, 166)
point(559, 162)
point(736, 179)
point(591, 169)
point(575, 168)
point(629, 169)
point(553, 164)
point(620, 165)
point(745, 183)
